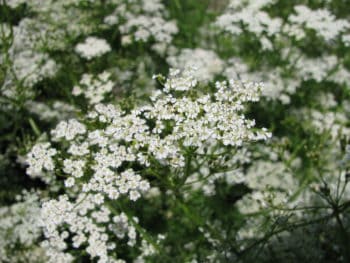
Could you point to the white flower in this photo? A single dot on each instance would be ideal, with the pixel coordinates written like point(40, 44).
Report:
point(88, 222)
point(92, 47)
point(206, 63)
point(322, 21)
point(20, 225)
point(118, 147)
point(68, 130)
point(317, 69)
point(15, 3)
point(249, 15)
point(40, 159)
point(346, 39)
point(69, 182)
point(74, 167)
point(57, 111)
point(142, 20)
point(94, 88)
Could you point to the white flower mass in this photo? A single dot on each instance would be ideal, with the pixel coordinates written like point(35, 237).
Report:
point(92, 47)
point(96, 155)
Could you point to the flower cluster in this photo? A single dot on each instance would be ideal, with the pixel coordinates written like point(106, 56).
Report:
point(100, 161)
point(330, 122)
point(40, 159)
point(24, 65)
point(90, 225)
point(92, 47)
point(20, 229)
point(94, 88)
point(141, 20)
point(206, 62)
point(277, 87)
point(272, 183)
point(15, 3)
point(321, 21)
point(248, 15)
point(68, 130)
point(294, 66)
point(56, 23)
point(57, 111)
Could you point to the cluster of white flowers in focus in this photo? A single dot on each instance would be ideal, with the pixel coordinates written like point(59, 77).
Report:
point(40, 159)
point(91, 225)
point(106, 156)
point(196, 121)
point(92, 47)
point(68, 130)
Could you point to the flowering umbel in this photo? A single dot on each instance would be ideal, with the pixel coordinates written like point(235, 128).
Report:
point(105, 156)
